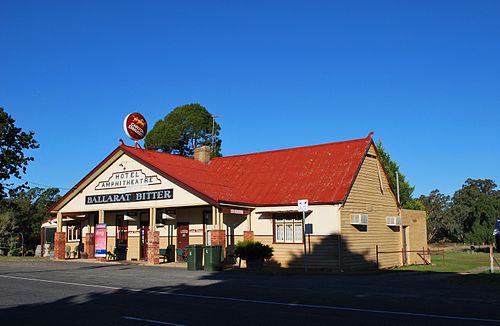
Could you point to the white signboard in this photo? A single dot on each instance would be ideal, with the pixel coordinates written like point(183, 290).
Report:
point(303, 205)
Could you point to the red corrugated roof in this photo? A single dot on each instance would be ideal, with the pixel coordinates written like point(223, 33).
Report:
point(320, 173)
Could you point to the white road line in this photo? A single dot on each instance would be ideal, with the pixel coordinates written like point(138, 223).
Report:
point(151, 321)
point(276, 303)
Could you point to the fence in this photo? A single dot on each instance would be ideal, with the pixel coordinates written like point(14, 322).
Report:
point(424, 254)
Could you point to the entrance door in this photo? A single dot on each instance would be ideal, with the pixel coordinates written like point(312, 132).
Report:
point(144, 225)
point(144, 242)
point(182, 236)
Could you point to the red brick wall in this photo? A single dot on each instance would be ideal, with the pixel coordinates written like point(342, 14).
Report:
point(219, 239)
point(59, 245)
point(90, 245)
point(153, 247)
point(247, 235)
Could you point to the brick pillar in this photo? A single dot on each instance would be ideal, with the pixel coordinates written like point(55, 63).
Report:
point(90, 245)
point(101, 259)
point(153, 247)
point(219, 239)
point(60, 245)
point(247, 235)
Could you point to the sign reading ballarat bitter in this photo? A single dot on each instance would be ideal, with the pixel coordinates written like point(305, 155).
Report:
point(130, 197)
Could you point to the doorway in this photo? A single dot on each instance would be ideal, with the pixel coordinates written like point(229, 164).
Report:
point(144, 227)
point(182, 239)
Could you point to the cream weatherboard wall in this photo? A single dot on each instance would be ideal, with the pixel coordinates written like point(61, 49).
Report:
point(370, 194)
point(125, 164)
point(323, 245)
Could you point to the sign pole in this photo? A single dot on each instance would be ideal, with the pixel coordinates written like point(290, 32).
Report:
point(303, 206)
point(304, 239)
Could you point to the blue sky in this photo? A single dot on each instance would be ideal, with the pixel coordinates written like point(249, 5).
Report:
point(423, 75)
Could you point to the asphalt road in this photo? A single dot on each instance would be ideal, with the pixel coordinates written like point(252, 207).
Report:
point(72, 293)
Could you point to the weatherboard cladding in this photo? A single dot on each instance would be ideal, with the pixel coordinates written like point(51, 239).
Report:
point(322, 173)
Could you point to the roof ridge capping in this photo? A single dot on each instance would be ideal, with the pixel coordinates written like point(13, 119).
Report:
point(369, 137)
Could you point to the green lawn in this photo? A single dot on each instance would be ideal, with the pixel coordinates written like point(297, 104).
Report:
point(457, 262)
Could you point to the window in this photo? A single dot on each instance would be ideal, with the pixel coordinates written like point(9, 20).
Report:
point(121, 231)
point(359, 219)
point(288, 228)
point(207, 228)
point(74, 231)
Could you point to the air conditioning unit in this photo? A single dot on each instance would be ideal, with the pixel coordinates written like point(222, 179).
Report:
point(359, 219)
point(393, 220)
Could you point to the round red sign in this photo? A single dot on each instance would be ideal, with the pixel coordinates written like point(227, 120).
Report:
point(135, 126)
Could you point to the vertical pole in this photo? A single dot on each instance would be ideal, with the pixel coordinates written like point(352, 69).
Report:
point(376, 251)
point(492, 267)
point(42, 238)
point(152, 218)
point(309, 239)
point(59, 221)
point(397, 185)
point(101, 216)
point(403, 255)
point(304, 239)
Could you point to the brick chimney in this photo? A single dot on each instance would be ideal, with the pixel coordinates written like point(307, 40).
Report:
point(202, 154)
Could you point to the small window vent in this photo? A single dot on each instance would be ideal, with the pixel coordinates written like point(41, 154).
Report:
point(393, 220)
point(359, 219)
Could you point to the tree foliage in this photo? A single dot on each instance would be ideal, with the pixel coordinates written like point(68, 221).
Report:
point(475, 208)
point(13, 142)
point(24, 212)
point(405, 189)
point(469, 216)
point(439, 223)
point(182, 130)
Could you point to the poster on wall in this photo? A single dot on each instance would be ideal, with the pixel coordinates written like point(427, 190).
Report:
point(100, 240)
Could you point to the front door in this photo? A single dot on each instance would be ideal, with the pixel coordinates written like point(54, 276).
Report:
point(182, 236)
point(144, 225)
point(144, 242)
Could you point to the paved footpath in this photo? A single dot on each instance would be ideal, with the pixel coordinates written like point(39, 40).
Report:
point(64, 293)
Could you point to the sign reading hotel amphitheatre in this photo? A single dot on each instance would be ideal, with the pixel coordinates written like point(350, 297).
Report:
point(130, 197)
point(128, 179)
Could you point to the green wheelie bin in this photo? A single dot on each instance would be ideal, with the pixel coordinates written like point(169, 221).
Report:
point(212, 258)
point(194, 253)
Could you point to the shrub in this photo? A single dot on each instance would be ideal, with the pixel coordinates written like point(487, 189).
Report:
point(249, 250)
point(15, 251)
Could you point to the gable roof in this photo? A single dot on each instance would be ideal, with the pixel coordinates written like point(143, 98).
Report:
point(323, 174)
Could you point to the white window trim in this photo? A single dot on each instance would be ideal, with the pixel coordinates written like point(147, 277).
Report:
point(283, 222)
point(73, 234)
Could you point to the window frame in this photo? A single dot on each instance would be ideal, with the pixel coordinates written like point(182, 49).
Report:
point(284, 220)
point(73, 231)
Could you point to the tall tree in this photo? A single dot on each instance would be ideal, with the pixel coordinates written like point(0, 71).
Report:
point(438, 218)
point(182, 130)
point(13, 142)
point(23, 212)
point(475, 207)
point(405, 189)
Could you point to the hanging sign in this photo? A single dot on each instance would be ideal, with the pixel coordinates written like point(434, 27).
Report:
point(135, 126)
point(100, 240)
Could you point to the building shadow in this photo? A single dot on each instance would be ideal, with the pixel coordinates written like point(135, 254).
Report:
point(242, 298)
point(330, 254)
